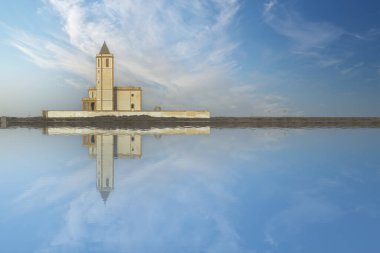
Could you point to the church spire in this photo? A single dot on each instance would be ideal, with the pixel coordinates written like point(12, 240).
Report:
point(104, 194)
point(104, 49)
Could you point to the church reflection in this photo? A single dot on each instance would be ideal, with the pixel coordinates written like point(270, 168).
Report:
point(105, 148)
point(106, 145)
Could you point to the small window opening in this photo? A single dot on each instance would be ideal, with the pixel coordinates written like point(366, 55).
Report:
point(132, 106)
point(92, 106)
point(132, 138)
point(107, 182)
point(107, 63)
point(92, 139)
point(132, 94)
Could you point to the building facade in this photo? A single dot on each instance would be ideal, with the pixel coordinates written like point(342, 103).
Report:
point(105, 96)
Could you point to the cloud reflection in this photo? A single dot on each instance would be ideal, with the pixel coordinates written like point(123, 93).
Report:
point(246, 190)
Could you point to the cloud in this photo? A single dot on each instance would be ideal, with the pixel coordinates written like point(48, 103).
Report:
point(52, 54)
point(309, 38)
point(156, 198)
point(306, 34)
point(269, 5)
point(160, 43)
point(181, 53)
point(351, 69)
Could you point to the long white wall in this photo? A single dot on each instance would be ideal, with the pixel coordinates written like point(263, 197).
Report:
point(152, 131)
point(158, 114)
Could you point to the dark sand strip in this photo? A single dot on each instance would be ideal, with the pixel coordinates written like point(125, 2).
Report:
point(146, 122)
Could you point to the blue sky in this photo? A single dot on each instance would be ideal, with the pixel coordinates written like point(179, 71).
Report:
point(228, 56)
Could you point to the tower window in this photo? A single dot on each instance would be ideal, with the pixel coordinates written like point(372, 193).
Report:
point(107, 63)
point(98, 63)
point(132, 95)
point(132, 106)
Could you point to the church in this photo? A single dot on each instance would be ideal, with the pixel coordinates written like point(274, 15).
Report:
point(105, 99)
point(105, 96)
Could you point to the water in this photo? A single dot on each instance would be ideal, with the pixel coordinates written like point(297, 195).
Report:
point(192, 190)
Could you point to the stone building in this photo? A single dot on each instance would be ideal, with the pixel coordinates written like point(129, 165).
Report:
point(104, 99)
point(105, 96)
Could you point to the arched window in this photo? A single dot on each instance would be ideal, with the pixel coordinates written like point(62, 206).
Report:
point(132, 106)
point(98, 62)
point(107, 63)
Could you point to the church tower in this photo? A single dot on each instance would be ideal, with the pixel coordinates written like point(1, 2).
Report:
point(104, 165)
point(104, 80)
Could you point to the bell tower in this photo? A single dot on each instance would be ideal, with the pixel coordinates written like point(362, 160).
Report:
point(104, 79)
point(104, 165)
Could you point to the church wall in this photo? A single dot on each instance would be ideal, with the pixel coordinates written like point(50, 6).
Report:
point(136, 100)
point(163, 114)
point(107, 105)
point(126, 98)
point(122, 100)
point(129, 145)
point(107, 94)
point(92, 93)
point(85, 106)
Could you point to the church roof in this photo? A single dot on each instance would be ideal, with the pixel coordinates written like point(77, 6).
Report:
point(104, 49)
point(104, 195)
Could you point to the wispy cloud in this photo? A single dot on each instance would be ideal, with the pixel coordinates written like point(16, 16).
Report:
point(180, 52)
point(52, 54)
point(352, 68)
point(309, 38)
point(158, 43)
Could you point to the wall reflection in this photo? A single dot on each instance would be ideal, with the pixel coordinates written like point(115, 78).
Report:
point(105, 145)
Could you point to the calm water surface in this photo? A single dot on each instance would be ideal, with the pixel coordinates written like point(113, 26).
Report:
point(193, 190)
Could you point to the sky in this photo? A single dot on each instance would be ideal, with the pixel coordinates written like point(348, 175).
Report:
point(231, 57)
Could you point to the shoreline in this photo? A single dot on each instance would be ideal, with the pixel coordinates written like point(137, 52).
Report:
point(144, 122)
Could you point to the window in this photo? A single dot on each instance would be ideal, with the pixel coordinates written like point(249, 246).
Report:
point(132, 95)
point(132, 106)
point(132, 138)
point(107, 182)
point(98, 63)
point(107, 63)
point(92, 139)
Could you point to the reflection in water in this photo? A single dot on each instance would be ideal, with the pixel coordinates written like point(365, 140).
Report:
point(235, 190)
point(105, 145)
point(105, 148)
